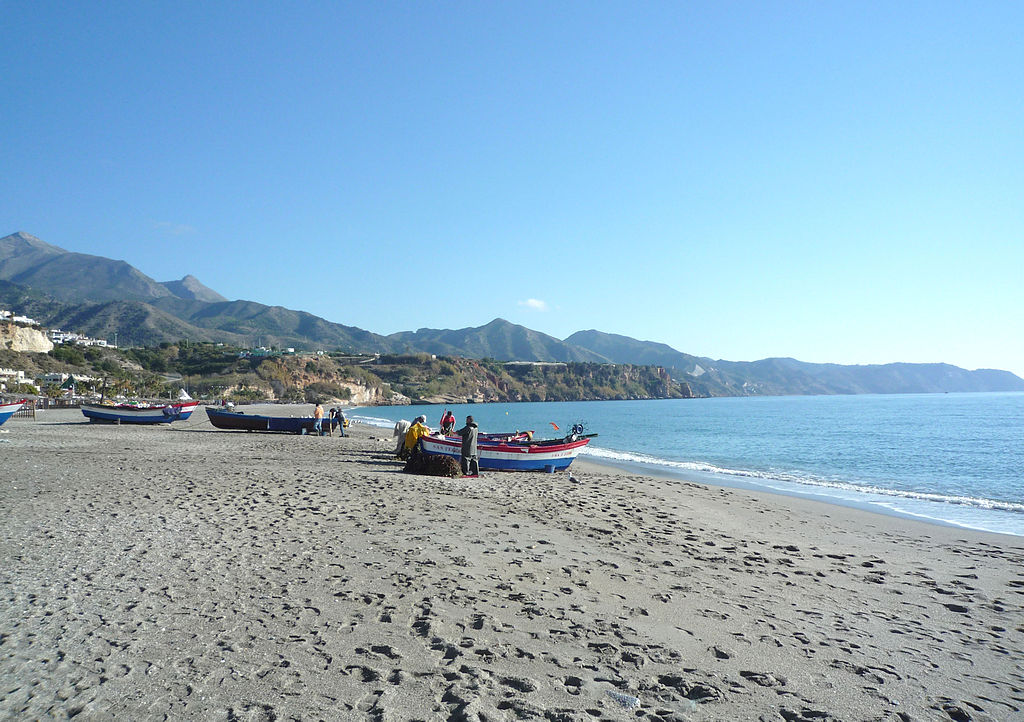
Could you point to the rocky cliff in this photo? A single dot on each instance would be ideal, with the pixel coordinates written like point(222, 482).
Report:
point(16, 337)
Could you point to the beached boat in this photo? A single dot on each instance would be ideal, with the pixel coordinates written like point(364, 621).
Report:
point(7, 410)
point(501, 455)
point(138, 413)
point(239, 421)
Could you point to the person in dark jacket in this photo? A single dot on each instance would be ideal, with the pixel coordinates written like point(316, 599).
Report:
point(470, 460)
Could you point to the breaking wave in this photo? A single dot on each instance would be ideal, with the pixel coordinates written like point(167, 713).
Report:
point(372, 420)
point(767, 479)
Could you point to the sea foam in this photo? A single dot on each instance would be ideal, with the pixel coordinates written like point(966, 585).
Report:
point(766, 479)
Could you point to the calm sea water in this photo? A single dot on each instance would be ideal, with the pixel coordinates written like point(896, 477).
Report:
point(948, 458)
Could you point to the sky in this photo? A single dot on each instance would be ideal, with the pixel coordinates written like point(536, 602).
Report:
point(830, 181)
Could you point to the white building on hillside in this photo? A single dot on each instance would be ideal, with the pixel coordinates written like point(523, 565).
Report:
point(60, 378)
point(58, 336)
point(66, 337)
point(10, 316)
point(11, 377)
point(17, 377)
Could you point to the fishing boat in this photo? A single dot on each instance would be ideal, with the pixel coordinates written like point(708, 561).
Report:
point(239, 421)
point(7, 410)
point(513, 455)
point(138, 413)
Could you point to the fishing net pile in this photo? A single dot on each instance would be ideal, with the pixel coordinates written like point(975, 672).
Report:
point(432, 465)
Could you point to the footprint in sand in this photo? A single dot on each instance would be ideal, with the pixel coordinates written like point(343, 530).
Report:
point(365, 674)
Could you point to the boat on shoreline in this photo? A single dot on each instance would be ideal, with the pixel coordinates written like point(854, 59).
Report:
point(138, 413)
point(513, 455)
point(239, 421)
point(7, 410)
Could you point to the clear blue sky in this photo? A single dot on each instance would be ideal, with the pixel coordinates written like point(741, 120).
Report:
point(837, 182)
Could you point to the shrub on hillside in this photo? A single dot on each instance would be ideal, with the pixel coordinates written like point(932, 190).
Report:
point(68, 354)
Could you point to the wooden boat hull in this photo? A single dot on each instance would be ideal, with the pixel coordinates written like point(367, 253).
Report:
point(8, 410)
point(238, 421)
point(126, 414)
point(540, 456)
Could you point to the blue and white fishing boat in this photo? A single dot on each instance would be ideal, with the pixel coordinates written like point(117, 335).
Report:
point(239, 421)
point(138, 413)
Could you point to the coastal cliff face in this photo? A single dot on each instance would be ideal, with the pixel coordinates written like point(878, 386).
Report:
point(395, 380)
point(15, 337)
point(362, 395)
point(458, 380)
point(288, 377)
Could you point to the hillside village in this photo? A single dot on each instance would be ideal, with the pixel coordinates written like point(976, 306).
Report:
point(56, 335)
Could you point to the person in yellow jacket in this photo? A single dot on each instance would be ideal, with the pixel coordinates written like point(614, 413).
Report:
point(418, 430)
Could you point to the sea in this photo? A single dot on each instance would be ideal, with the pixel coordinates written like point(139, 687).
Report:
point(952, 459)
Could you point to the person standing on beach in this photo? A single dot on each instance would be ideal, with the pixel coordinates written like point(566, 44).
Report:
point(334, 417)
point(342, 421)
point(401, 429)
point(470, 461)
point(318, 419)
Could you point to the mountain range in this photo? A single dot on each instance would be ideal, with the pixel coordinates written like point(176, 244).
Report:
point(102, 298)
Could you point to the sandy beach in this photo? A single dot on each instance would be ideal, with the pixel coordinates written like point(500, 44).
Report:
point(180, 572)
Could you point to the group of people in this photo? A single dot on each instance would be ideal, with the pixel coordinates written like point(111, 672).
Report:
point(337, 418)
point(409, 436)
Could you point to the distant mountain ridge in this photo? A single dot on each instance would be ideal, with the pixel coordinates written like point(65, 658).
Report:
point(99, 296)
point(67, 276)
point(190, 288)
point(103, 297)
point(787, 376)
point(618, 349)
point(498, 339)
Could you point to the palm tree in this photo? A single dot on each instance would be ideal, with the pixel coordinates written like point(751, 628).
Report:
point(122, 382)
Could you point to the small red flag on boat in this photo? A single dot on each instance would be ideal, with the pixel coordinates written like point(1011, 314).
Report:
point(555, 425)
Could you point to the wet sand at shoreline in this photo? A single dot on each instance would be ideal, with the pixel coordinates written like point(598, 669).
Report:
point(182, 572)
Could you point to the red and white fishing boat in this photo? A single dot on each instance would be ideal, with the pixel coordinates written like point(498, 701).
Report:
point(7, 410)
point(513, 454)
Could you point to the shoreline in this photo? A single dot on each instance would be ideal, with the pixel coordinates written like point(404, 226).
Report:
point(810, 497)
point(725, 481)
point(823, 507)
point(183, 572)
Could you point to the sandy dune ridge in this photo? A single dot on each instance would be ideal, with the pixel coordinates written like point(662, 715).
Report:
point(179, 572)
